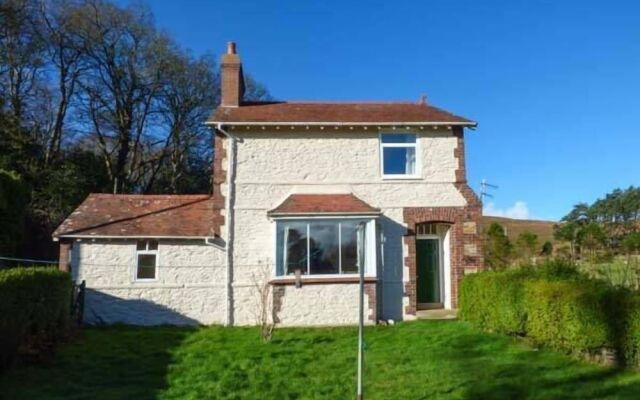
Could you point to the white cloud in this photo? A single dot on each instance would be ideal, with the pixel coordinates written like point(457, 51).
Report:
point(519, 210)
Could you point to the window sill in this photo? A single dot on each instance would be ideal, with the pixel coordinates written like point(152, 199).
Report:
point(322, 280)
point(144, 281)
point(401, 178)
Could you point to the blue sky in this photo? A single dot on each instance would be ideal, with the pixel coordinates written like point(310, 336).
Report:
point(554, 85)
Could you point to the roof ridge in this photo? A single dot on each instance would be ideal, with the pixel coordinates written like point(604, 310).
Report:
point(339, 102)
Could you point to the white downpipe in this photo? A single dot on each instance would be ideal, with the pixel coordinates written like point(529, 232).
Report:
point(231, 150)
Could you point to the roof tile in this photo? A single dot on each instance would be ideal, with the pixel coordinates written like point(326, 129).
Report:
point(311, 204)
point(142, 216)
point(309, 112)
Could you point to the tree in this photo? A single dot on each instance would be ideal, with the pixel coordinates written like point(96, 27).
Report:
point(547, 249)
point(64, 56)
point(21, 55)
point(568, 232)
point(93, 96)
point(497, 247)
point(13, 199)
point(631, 244)
point(527, 245)
point(185, 103)
point(125, 58)
point(591, 237)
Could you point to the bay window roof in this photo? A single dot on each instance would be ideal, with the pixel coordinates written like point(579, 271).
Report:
point(323, 204)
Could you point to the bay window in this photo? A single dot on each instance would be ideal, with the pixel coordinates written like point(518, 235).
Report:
point(325, 246)
point(398, 155)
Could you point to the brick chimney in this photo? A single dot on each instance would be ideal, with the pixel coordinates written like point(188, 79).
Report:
point(231, 80)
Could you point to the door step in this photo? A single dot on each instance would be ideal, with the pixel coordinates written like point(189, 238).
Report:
point(437, 314)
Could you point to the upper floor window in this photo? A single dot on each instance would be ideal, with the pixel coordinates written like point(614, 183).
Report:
point(146, 260)
point(398, 155)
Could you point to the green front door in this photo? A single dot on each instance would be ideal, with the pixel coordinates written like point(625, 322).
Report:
point(428, 263)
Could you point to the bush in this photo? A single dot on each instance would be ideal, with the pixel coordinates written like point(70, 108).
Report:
point(567, 314)
point(35, 306)
point(553, 304)
point(492, 301)
point(628, 324)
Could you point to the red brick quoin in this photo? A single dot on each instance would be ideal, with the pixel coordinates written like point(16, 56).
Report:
point(455, 217)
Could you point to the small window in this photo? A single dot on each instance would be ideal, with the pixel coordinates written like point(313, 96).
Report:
point(146, 259)
point(398, 155)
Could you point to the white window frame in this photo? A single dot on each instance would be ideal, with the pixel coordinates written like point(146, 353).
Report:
point(416, 146)
point(370, 259)
point(143, 252)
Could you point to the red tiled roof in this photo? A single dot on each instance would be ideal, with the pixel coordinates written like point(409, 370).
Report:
point(102, 215)
point(299, 204)
point(301, 112)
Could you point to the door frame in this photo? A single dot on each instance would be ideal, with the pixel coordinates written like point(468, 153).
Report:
point(441, 303)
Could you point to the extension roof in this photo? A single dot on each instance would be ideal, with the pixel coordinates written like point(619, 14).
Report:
point(126, 215)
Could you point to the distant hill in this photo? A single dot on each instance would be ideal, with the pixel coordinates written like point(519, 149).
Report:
point(514, 227)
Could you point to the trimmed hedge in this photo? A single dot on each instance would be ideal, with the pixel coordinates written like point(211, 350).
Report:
point(553, 305)
point(567, 315)
point(34, 308)
point(492, 301)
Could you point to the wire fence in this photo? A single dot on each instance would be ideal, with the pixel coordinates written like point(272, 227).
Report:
point(13, 262)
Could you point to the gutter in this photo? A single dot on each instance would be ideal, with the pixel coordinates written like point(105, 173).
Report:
point(328, 123)
point(229, 201)
point(57, 238)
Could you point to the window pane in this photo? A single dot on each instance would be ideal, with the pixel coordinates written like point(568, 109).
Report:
point(152, 245)
point(323, 242)
point(398, 138)
point(146, 266)
point(292, 247)
point(349, 247)
point(141, 245)
point(399, 160)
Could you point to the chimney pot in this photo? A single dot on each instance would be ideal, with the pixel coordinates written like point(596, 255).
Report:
point(231, 48)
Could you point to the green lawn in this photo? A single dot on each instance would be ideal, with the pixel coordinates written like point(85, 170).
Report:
point(418, 360)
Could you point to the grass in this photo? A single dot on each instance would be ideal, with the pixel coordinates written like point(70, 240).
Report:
point(418, 360)
point(619, 271)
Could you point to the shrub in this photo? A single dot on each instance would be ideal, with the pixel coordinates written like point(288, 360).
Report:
point(554, 305)
point(556, 269)
point(34, 305)
point(492, 301)
point(628, 325)
point(567, 314)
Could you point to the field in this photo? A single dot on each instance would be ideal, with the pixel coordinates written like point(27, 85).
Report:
point(514, 227)
point(416, 360)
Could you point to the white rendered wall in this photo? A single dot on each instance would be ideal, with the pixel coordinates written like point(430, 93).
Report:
point(272, 164)
point(322, 305)
point(189, 288)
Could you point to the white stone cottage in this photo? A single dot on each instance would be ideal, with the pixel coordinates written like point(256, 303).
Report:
point(303, 194)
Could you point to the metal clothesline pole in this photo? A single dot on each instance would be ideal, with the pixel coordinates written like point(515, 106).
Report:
point(361, 264)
